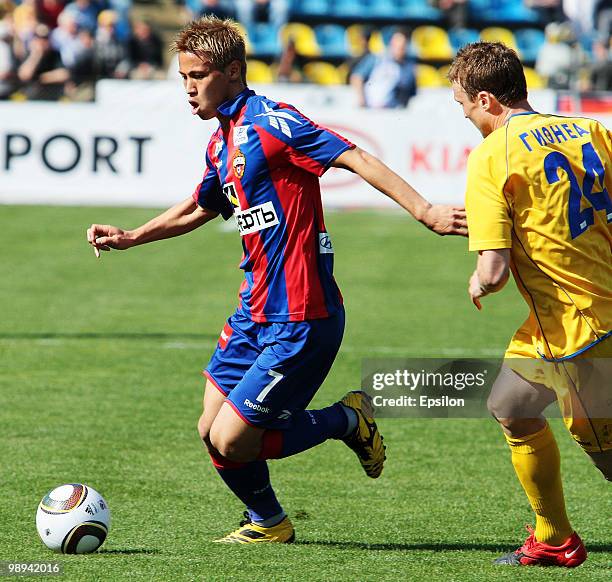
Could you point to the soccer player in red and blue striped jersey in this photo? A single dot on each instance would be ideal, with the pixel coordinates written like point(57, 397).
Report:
point(262, 167)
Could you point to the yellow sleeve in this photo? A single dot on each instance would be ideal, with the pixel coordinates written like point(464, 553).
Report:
point(488, 214)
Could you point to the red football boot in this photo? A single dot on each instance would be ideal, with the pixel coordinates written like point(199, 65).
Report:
point(533, 553)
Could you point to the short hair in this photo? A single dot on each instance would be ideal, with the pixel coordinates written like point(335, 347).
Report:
point(218, 41)
point(492, 67)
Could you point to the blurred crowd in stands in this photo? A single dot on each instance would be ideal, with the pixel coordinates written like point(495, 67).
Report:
point(385, 49)
point(50, 49)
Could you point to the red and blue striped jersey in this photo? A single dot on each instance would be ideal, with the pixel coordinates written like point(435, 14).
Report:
point(264, 170)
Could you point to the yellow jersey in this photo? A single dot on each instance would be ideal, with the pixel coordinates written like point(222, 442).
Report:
point(540, 186)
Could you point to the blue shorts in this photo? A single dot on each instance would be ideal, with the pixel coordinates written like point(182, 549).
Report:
point(267, 371)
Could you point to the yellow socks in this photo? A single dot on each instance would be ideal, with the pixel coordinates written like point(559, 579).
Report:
point(537, 464)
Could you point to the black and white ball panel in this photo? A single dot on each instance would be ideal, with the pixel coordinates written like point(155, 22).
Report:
point(84, 538)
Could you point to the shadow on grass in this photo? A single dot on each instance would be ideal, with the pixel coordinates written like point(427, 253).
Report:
point(436, 547)
point(109, 335)
point(130, 551)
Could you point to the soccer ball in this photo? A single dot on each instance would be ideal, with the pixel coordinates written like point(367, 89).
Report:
point(73, 519)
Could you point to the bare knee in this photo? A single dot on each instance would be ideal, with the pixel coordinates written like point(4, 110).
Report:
point(504, 406)
point(501, 412)
point(494, 406)
point(520, 427)
point(231, 447)
point(228, 449)
point(204, 432)
point(221, 447)
point(512, 417)
point(203, 428)
point(517, 404)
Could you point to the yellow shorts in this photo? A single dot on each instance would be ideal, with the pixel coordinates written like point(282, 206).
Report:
point(583, 386)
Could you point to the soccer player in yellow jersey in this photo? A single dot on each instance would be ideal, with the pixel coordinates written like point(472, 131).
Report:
point(538, 203)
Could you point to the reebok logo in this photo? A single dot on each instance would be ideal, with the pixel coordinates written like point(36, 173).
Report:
point(257, 407)
point(256, 218)
point(278, 119)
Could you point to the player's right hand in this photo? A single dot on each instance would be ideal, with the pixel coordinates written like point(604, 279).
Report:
point(104, 237)
point(445, 219)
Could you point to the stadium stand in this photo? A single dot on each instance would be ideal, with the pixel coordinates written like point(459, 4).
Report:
point(323, 73)
point(264, 40)
point(443, 72)
point(377, 42)
point(331, 39)
point(311, 9)
point(355, 36)
point(432, 43)
point(382, 9)
point(418, 10)
point(428, 76)
point(534, 80)
point(259, 72)
point(499, 34)
point(303, 36)
point(507, 11)
point(324, 32)
point(352, 9)
point(529, 42)
point(461, 36)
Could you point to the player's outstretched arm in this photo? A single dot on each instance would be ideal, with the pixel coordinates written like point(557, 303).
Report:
point(180, 219)
point(441, 218)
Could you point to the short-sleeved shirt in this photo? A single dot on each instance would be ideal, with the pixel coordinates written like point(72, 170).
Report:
point(265, 172)
point(388, 83)
point(540, 186)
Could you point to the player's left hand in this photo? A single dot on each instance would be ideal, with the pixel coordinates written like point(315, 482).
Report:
point(445, 219)
point(475, 290)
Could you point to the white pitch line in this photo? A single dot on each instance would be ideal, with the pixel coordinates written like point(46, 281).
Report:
point(377, 350)
point(424, 352)
point(429, 352)
point(193, 345)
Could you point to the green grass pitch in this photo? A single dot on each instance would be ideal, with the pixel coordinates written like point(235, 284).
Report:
point(100, 383)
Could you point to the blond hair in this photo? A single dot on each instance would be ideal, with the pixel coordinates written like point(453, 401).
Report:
point(218, 41)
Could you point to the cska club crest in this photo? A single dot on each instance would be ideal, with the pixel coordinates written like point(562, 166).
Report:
point(238, 163)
